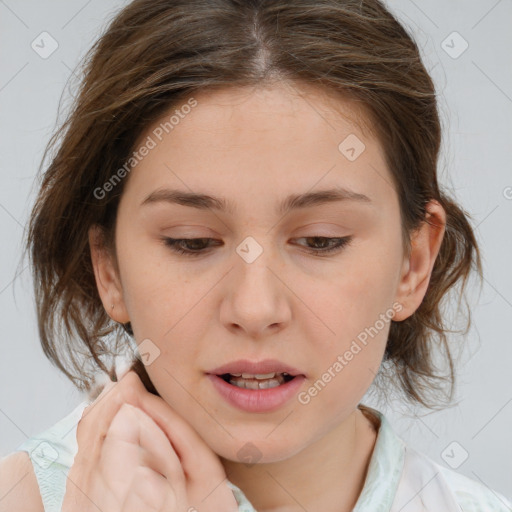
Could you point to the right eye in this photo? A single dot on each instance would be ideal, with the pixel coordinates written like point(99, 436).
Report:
point(193, 246)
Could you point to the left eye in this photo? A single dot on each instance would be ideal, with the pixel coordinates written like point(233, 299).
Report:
point(333, 244)
point(197, 246)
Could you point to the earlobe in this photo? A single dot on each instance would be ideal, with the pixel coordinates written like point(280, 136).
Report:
point(107, 280)
point(417, 268)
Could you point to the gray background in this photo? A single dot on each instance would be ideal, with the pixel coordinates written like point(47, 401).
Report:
point(476, 106)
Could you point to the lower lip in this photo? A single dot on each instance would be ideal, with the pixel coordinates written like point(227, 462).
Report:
point(257, 400)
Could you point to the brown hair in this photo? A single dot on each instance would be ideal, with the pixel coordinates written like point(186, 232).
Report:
point(154, 55)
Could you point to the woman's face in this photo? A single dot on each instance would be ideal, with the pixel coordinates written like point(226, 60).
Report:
point(258, 290)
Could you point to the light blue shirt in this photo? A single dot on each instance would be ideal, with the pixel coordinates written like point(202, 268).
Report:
point(399, 479)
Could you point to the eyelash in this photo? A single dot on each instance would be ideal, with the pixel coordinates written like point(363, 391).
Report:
point(174, 245)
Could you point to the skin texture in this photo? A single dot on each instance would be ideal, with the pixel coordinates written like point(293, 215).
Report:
point(254, 147)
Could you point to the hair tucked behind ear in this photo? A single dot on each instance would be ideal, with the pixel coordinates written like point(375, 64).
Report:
point(411, 342)
point(154, 55)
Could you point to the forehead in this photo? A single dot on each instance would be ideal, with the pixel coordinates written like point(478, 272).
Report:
point(283, 101)
point(253, 141)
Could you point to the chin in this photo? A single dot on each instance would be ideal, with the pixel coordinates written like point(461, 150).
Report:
point(257, 451)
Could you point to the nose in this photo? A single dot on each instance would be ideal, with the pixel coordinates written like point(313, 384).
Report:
point(256, 299)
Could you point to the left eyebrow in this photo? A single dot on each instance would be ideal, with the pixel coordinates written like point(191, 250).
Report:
point(291, 202)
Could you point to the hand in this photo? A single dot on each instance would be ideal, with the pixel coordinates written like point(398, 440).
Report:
point(135, 453)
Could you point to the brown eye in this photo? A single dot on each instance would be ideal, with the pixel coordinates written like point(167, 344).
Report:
point(188, 246)
point(327, 245)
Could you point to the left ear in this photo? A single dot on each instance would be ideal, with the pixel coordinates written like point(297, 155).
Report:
point(417, 267)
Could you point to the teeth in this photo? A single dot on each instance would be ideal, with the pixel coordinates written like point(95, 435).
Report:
point(254, 384)
point(258, 381)
point(261, 376)
point(256, 376)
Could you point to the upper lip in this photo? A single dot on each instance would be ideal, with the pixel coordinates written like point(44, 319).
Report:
point(256, 367)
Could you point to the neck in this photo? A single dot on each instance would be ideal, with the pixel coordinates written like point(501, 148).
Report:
point(327, 475)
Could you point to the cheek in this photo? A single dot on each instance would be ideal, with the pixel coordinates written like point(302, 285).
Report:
point(347, 363)
point(356, 293)
point(368, 283)
point(356, 309)
point(155, 292)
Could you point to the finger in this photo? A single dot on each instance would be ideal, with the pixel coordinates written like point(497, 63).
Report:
point(150, 492)
point(205, 476)
point(198, 460)
point(125, 446)
point(134, 439)
point(97, 417)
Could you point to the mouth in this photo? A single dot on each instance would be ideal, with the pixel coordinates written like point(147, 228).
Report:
point(268, 373)
point(257, 387)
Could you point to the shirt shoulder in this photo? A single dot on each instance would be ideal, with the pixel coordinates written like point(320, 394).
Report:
point(472, 495)
point(428, 486)
point(52, 453)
